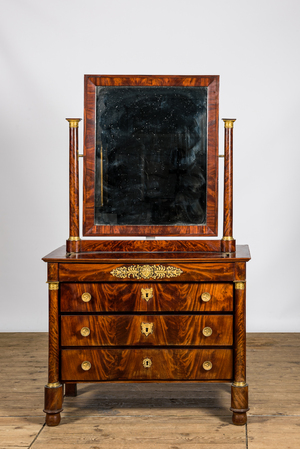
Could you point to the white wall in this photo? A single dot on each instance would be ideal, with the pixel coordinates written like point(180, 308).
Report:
point(47, 47)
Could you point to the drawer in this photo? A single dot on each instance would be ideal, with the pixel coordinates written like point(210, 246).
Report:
point(133, 330)
point(146, 364)
point(146, 297)
point(138, 272)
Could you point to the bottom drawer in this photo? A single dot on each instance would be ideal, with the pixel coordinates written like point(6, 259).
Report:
point(146, 364)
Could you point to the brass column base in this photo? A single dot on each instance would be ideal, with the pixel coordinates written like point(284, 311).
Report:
point(228, 245)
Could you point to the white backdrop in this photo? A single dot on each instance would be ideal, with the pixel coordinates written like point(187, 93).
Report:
point(47, 47)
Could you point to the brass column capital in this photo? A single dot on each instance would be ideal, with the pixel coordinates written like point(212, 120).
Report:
point(73, 122)
point(53, 285)
point(228, 122)
point(239, 285)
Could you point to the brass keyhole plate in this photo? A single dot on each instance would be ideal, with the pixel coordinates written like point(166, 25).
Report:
point(147, 328)
point(147, 293)
point(147, 362)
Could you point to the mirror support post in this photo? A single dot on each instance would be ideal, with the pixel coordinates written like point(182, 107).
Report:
point(228, 242)
point(73, 243)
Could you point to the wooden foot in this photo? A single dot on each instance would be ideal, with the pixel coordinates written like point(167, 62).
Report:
point(239, 419)
point(53, 403)
point(71, 390)
point(239, 404)
point(52, 419)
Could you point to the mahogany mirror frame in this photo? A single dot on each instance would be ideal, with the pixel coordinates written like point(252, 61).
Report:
point(90, 84)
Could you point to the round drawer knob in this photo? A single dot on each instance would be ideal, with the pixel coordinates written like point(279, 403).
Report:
point(207, 331)
point(86, 366)
point(206, 297)
point(147, 362)
point(207, 365)
point(86, 297)
point(85, 331)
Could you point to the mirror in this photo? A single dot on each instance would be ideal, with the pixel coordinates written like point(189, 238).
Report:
point(151, 155)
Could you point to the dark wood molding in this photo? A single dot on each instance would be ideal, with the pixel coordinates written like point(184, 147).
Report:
point(89, 228)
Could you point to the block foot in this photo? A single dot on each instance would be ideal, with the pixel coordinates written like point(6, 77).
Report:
point(52, 419)
point(239, 404)
point(239, 419)
point(53, 403)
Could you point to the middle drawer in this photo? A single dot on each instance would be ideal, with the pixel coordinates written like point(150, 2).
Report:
point(144, 330)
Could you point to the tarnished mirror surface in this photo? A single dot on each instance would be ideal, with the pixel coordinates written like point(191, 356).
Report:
point(151, 156)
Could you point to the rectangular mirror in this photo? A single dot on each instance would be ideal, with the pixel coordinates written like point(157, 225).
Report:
point(151, 154)
point(152, 149)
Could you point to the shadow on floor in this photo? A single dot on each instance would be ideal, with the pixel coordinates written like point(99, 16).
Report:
point(138, 399)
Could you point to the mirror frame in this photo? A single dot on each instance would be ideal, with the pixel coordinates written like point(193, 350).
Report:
point(90, 84)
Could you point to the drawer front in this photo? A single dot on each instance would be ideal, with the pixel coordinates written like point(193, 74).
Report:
point(123, 330)
point(150, 297)
point(146, 364)
point(139, 272)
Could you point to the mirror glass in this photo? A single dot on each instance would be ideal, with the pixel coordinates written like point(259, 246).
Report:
point(151, 156)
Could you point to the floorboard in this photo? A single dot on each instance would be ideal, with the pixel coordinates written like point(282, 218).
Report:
point(162, 416)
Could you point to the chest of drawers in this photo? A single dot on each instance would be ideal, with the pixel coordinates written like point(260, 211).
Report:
point(158, 318)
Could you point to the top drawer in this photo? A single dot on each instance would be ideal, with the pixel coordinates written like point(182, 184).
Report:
point(139, 272)
point(150, 297)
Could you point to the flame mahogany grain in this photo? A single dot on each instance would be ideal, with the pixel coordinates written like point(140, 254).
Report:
point(151, 245)
point(177, 348)
point(102, 272)
point(212, 84)
point(125, 330)
point(127, 364)
point(74, 183)
point(127, 297)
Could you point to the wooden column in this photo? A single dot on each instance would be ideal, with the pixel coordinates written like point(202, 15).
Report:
point(228, 242)
point(53, 389)
point(73, 243)
point(239, 388)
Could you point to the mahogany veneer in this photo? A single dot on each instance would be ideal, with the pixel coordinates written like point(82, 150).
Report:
point(91, 82)
point(149, 310)
point(166, 297)
point(105, 329)
point(126, 364)
point(125, 330)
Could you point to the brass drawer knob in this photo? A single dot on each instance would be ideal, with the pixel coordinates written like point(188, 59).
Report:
point(86, 366)
point(147, 328)
point(85, 331)
point(147, 362)
point(206, 297)
point(207, 365)
point(207, 331)
point(86, 297)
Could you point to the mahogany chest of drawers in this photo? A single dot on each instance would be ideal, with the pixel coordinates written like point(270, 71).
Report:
point(148, 308)
point(155, 317)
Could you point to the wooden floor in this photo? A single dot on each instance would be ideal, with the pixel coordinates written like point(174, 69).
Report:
point(147, 416)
